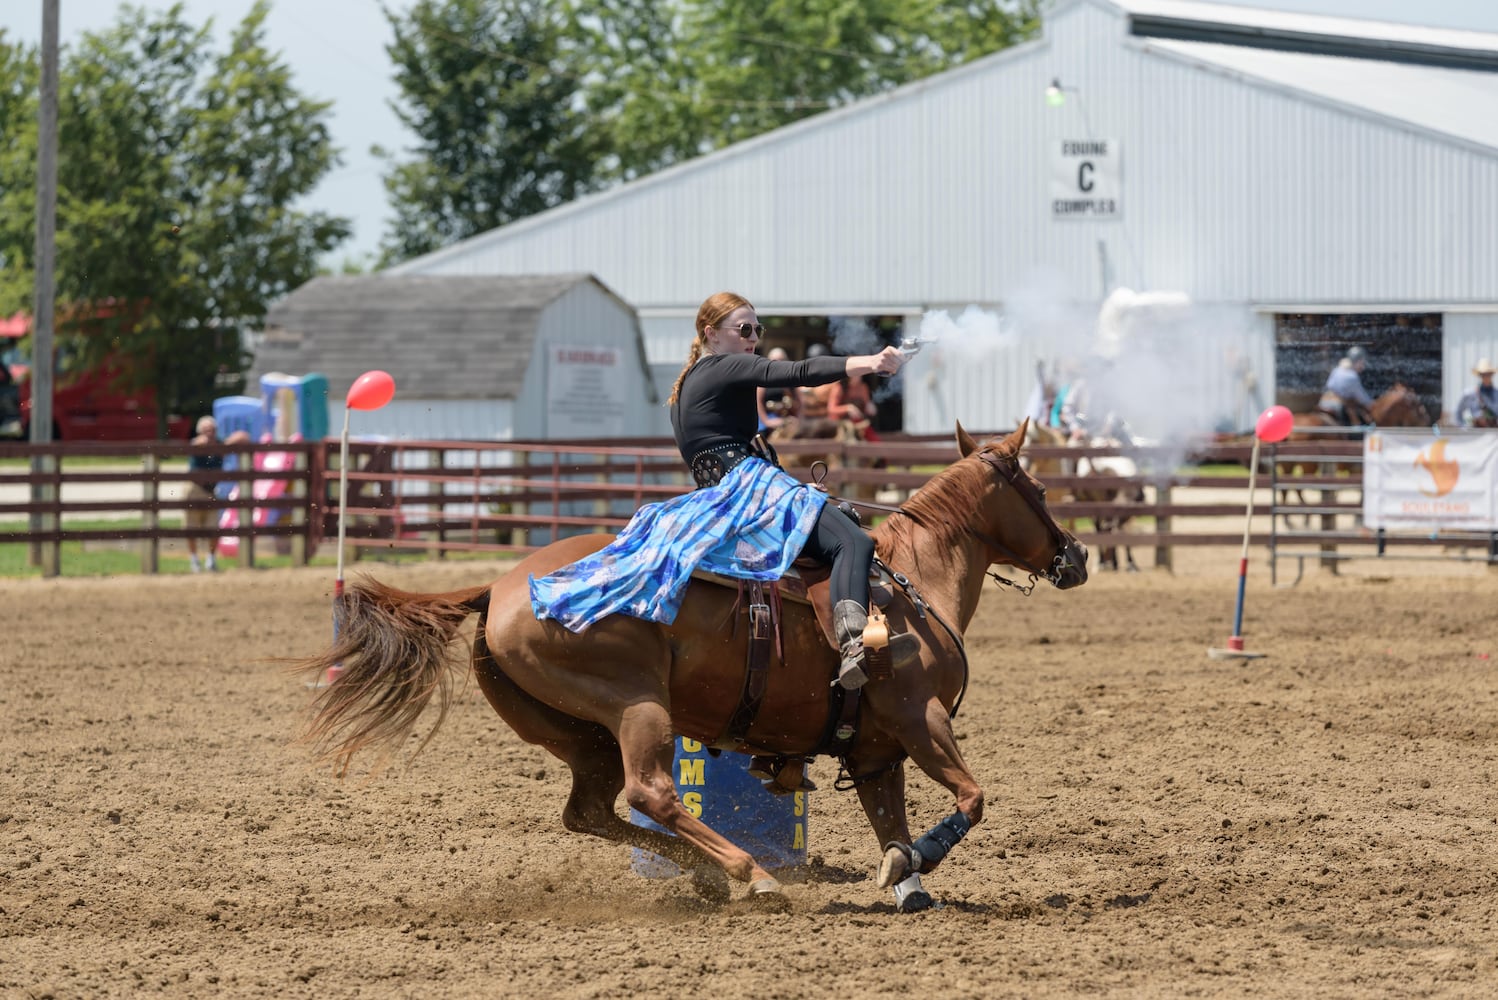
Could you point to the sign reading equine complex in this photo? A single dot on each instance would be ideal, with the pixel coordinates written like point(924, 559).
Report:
point(585, 390)
point(1420, 480)
point(1086, 180)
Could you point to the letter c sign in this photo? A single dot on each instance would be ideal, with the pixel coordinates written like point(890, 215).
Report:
point(1084, 175)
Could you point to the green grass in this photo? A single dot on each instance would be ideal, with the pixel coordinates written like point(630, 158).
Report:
point(92, 462)
point(103, 559)
point(1223, 471)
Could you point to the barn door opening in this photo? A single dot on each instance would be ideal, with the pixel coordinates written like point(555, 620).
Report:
point(1401, 347)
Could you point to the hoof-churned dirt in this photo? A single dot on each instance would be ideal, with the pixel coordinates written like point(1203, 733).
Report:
point(1320, 822)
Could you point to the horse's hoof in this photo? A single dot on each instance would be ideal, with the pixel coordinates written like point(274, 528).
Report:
point(895, 865)
point(766, 895)
point(710, 882)
point(916, 902)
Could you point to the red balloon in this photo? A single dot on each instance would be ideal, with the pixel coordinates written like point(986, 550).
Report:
point(1275, 424)
point(371, 391)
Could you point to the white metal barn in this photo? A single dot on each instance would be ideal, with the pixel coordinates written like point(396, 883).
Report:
point(1250, 192)
point(509, 357)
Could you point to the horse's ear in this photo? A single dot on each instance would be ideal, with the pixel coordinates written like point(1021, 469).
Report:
point(965, 444)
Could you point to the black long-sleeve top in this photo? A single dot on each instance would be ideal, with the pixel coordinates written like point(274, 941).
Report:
point(716, 403)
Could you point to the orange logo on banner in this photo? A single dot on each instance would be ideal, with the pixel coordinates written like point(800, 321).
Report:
point(1444, 472)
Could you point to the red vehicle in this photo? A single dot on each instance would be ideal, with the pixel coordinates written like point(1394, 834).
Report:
point(86, 406)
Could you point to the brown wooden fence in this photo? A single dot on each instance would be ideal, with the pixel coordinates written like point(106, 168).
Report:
point(510, 497)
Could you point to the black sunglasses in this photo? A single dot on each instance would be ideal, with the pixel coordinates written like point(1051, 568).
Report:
point(747, 330)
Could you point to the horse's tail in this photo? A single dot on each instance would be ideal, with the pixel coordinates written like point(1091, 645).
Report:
point(393, 653)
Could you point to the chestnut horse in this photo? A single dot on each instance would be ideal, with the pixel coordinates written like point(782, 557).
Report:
point(608, 701)
point(1399, 407)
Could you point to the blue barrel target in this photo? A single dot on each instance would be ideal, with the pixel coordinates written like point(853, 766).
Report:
point(719, 791)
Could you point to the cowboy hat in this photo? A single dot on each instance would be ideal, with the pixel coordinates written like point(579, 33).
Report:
point(1484, 367)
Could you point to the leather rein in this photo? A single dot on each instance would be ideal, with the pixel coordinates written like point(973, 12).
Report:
point(1008, 471)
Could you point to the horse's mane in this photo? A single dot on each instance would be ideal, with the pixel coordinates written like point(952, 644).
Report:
point(943, 506)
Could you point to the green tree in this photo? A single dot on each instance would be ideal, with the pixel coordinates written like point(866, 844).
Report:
point(177, 171)
point(671, 80)
point(640, 88)
point(20, 72)
point(490, 89)
point(520, 105)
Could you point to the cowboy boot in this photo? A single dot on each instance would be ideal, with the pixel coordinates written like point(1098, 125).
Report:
point(867, 645)
point(849, 618)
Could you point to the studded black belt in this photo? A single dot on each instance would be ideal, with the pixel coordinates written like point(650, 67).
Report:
point(710, 465)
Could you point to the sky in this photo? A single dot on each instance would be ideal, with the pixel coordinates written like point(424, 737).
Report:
point(336, 51)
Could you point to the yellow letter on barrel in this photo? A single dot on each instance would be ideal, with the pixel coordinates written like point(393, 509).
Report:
point(692, 772)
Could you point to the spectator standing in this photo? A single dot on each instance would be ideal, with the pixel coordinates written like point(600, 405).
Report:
point(1479, 408)
point(1344, 396)
point(204, 510)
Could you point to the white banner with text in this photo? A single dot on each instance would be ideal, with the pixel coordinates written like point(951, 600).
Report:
point(1424, 481)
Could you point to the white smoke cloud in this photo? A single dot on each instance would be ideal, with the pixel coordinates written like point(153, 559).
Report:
point(1170, 371)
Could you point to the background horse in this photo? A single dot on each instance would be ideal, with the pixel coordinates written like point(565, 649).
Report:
point(608, 701)
point(1109, 466)
point(1399, 407)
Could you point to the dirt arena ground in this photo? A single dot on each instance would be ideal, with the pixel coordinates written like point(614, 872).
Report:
point(1317, 823)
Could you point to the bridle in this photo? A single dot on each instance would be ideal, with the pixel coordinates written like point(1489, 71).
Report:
point(1008, 470)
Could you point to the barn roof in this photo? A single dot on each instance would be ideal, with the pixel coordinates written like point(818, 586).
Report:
point(441, 336)
point(1256, 27)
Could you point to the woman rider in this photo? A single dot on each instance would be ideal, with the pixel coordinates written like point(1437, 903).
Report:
point(748, 518)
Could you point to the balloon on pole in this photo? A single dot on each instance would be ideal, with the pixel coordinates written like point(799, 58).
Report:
point(1273, 426)
point(370, 391)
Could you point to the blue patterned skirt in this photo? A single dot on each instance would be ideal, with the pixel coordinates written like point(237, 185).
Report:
point(751, 526)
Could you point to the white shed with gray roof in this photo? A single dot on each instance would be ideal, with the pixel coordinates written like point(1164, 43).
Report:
point(474, 358)
point(1292, 184)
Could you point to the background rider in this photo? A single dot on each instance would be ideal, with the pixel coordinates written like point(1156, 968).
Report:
point(1344, 396)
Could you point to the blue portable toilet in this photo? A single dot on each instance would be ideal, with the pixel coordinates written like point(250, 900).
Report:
point(239, 413)
point(295, 405)
point(236, 413)
point(314, 406)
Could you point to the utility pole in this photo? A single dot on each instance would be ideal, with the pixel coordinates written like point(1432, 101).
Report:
point(43, 488)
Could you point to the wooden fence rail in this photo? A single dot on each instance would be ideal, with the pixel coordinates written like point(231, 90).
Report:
point(513, 496)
